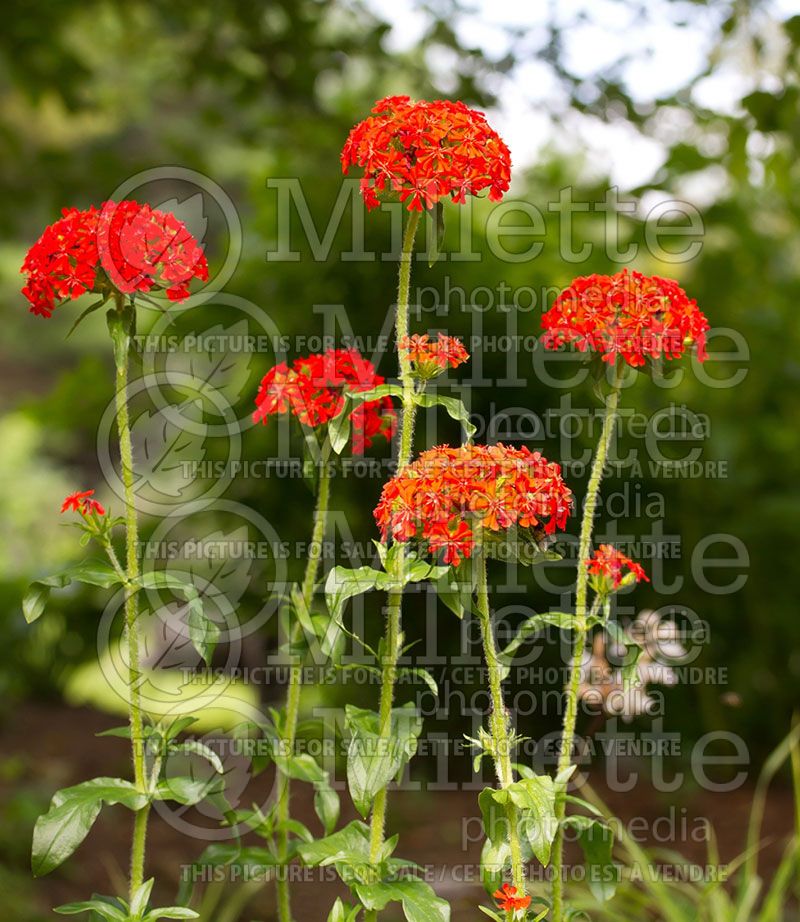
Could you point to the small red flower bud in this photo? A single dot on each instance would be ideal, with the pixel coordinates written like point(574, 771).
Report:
point(80, 502)
point(609, 564)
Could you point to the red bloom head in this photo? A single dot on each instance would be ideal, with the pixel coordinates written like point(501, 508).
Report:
point(425, 151)
point(611, 569)
point(448, 492)
point(123, 246)
point(629, 314)
point(431, 359)
point(311, 390)
point(508, 900)
point(81, 502)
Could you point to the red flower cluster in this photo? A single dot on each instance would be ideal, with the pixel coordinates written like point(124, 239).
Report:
point(80, 502)
point(122, 245)
point(609, 564)
point(447, 492)
point(426, 151)
point(431, 359)
point(508, 900)
point(629, 314)
point(311, 389)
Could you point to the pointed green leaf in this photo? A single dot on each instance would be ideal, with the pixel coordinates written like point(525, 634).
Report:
point(72, 813)
point(453, 406)
point(141, 897)
point(92, 572)
point(326, 806)
point(495, 858)
point(596, 840)
point(104, 908)
point(343, 583)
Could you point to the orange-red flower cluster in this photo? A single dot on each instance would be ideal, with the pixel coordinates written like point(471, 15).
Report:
point(508, 900)
point(312, 390)
point(122, 245)
point(425, 151)
point(629, 314)
point(81, 502)
point(431, 358)
point(613, 566)
point(447, 492)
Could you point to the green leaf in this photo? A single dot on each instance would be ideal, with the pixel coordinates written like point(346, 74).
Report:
point(343, 912)
point(343, 583)
point(103, 907)
point(339, 428)
point(141, 897)
point(580, 802)
point(326, 806)
point(203, 632)
point(301, 767)
point(419, 900)
point(535, 798)
point(596, 840)
point(92, 572)
point(178, 726)
point(185, 790)
point(349, 845)
point(417, 672)
point(491, 913)
point(296, 828)
point(373, 761)
point(456, 586)
point(454, 407)
point(495, 821)
point(495, 858)
point(170, 912)
point(564, 621)
point(382, 550)
point(299, 607)
point(228, 854)
point(124, 732)
point(197, 748)
point(72, 814)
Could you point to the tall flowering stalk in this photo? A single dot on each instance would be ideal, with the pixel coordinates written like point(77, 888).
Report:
point(392, 634)
point(422, 152)
point(465, 502)
point(117, 251)
point(311, 390)
point(627, 318)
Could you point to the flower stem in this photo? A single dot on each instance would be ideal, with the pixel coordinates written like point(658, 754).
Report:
point(498, 723)
point(131, 617)
point(395, 600)
point(581, 630)
point(293, 693)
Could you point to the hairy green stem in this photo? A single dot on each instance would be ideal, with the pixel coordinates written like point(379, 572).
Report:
point(498, 723)
point(581, 630)
point(395, 601)
point(131, 617)
point(294, 690)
